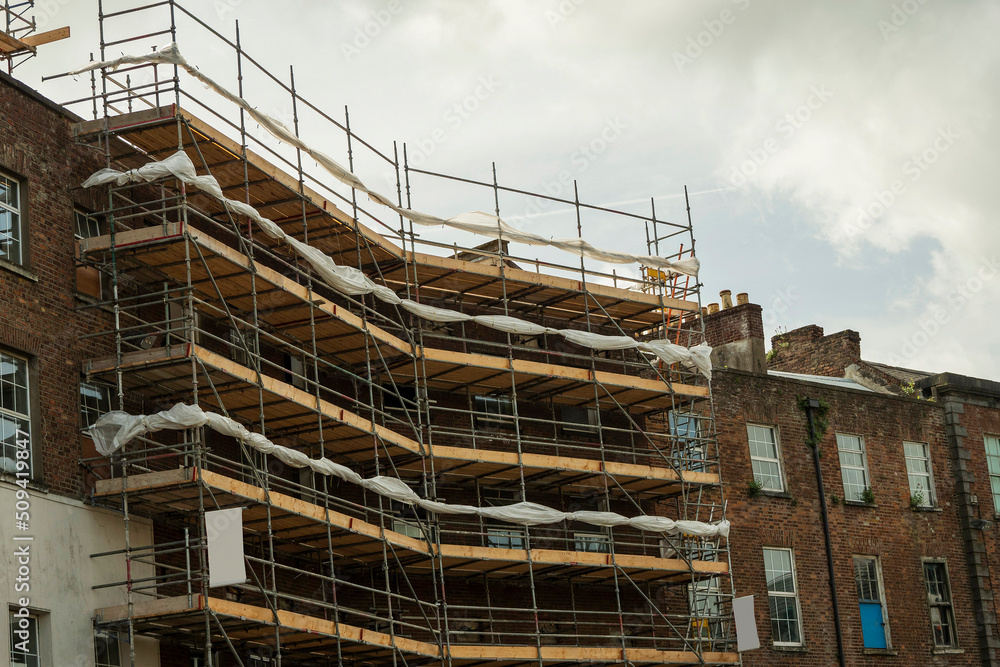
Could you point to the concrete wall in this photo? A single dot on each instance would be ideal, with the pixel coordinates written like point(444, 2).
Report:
point(62, 573)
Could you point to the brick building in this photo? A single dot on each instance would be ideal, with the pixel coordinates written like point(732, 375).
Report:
point(390, 470)
point(912, 557)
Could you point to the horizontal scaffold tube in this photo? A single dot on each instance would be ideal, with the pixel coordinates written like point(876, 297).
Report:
point(115, 429)
point(350, 281)
point(476, 222)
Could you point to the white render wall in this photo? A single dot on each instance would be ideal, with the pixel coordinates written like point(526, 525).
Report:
point(66, 532)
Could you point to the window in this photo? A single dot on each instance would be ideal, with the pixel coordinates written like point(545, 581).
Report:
point(11, 232)
point(15, 412)
point(705, 600)
point(243, 345)
point(918, 471)
point(95, 400)
point(106, 649)
point(685, 428)
point(868, 578)
point(993, 463)
point(591, 543)
point(296, 371)
point(939, 601)
point(782, 597)
point(578, 420)
point(24, 650)
point(494, 411)
point(764, 457)
point(501, 534)
point(87, 226)
point(853, 466)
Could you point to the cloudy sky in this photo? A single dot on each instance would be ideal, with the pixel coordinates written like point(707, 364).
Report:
point(837, 151)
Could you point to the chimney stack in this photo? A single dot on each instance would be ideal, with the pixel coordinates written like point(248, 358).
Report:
point(736, 333)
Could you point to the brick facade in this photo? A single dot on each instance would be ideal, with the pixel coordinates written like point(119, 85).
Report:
point(38, 300)
point(807, 350)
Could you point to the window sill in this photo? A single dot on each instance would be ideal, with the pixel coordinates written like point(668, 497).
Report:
point(33, 485)
point(944, 651)
point(880, 651)
point(775, 494)
point(19, 270)
point(928, 508)
point(858, 503)
point(790, 649)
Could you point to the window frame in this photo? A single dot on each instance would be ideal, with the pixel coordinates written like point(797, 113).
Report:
point(583, 542)
point(26, 417)
point(110, 638)
point(37, 622)
point(84, 426)
point(950, 605)
point(994, 477)
point(500, 418)
point(783, 594)
point(688, 439)
point(574, 424)
point(777, 460)
point(863, 468)
point(500, 534)
point(930, 499)
point(22, 226)
point(880, 583)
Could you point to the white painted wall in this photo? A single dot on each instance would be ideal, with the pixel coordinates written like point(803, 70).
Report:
point(66, 532)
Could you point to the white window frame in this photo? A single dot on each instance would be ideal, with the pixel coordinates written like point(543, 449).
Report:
point(586, 542)
point(930, 498)
point(110, 639)
point(949, 605)
point(705, 606)
point(841, 437)
point(784, 594)
point(881, 591)
point(493, 411)
point(90, 408)
point(33, 620)
point(501, 535)
point(9, 451)
point(295, 366)
point(766, 459)
point(92, 222)
point(242, 355)
point(993, 468)
point(17, 223)
point(689, 442)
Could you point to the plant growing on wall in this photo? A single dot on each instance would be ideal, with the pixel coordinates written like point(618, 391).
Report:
point(868, 496)
point(917, 500)
point(754, 488)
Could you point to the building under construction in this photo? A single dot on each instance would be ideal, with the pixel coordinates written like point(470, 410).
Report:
point(474, 398)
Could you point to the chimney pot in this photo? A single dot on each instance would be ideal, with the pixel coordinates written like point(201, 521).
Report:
point(726, 297)
point(742, 299)
point(713, 308)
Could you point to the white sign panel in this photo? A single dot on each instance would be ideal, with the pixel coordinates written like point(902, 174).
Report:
point(746, 624)
point(226, 565)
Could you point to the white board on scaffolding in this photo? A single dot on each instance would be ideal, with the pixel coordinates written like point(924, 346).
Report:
point(226, 564)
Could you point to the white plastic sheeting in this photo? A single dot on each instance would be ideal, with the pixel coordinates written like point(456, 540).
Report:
point(477, 222)
point(115, 429)
point(351, 281)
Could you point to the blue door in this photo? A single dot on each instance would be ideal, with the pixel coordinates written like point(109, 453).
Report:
point(872, 625)
point(866, 576)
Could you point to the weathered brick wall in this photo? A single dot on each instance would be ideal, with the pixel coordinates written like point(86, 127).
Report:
point(807, 350)
point(39, 319)
point(899, 535)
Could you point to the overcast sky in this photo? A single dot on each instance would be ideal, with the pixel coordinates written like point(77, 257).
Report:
point(839, 150)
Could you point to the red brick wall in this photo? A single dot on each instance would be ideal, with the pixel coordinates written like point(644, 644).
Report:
point(734, 324)
point(891, 530)
point(807, 350)
point(39, 320)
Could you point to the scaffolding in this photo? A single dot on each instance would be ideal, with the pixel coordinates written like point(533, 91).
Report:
point(209, 311)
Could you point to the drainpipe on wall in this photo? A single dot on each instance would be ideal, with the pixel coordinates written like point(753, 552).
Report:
point(811, 405)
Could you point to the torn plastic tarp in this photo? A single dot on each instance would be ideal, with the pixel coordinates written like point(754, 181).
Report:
point(115, 429)
point(351, 281)
point(477, 222)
